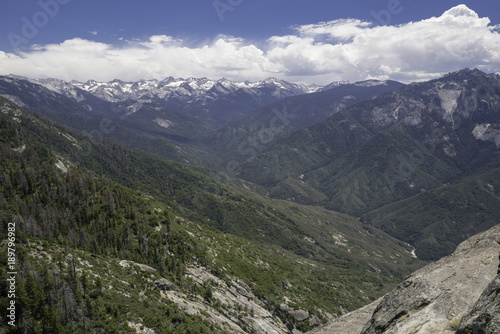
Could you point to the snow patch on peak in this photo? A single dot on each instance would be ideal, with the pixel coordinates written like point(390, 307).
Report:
point(175, 83)
point(371, 83)
point(225, 83)
point(246, 84)
point(332, 85)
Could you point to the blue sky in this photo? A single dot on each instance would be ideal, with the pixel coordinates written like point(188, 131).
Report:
point(309, 41)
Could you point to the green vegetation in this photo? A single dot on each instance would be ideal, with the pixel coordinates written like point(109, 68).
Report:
point(98, 202)
point(374, 158)
point(437, 220)
point(66, 290)
point(277, 120)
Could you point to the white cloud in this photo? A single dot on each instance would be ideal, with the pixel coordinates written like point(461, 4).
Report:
point(341, 29)
point(337, 50)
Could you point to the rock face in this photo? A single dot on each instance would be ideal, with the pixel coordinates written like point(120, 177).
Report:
point(437, 297)
point(241, 307)
point(485, 315)
point(350, 323)
point(300, 315)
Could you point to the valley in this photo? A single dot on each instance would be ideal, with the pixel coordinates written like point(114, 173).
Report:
point(210, 206)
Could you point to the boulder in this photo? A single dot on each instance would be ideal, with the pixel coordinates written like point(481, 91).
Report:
point(164, 284)
point(300, 315)
point(285, 308)
point(314, 321)
point(146, 268)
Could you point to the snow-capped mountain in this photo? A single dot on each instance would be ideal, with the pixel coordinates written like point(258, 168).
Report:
point(214, 102)
point(211, 103)
point(200, 90)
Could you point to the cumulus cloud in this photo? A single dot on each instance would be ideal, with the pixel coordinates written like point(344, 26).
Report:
point(341, 29)
point(413, 51)
point(336, 50)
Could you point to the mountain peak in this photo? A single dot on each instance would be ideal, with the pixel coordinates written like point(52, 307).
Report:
point(466, 71)
point(466, 74)
point(91, 82)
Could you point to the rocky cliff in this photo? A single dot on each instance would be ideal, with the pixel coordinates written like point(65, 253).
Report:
point(485, 315)
point(457, 294)
point(352, 322)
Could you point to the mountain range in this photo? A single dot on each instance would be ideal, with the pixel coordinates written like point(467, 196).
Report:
point(265, 207)
point(218, 102)
point(175, 118)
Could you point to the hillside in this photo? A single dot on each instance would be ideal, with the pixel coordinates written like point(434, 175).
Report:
point(241, 140)
point(396, 147)
point(109, 238)
point(89, 115)
point(198, 121)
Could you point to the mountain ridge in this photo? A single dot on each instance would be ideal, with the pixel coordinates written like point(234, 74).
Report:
point(118, 91)
point(273, 121)
point(176, 127)
point(381, 151)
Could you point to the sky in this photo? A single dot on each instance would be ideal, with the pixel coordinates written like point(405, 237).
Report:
point(314, 41)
